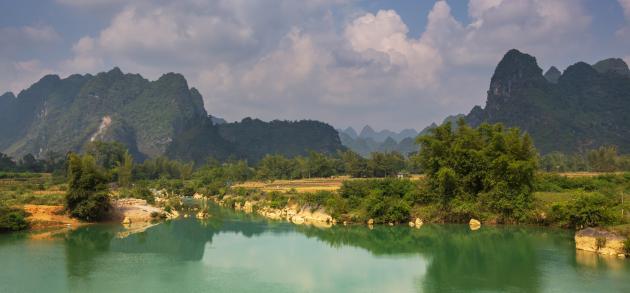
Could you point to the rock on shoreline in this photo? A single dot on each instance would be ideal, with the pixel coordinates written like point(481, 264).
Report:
point(600, 241)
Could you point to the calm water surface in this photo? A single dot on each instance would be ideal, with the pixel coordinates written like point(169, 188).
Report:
point(233, 252)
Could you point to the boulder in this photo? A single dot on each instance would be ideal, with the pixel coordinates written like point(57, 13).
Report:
point(370, 222)
point(418, 222)
point(474, 224)
point(202, 215)
point(600, 241)
point(126, 221)
point(412, 224)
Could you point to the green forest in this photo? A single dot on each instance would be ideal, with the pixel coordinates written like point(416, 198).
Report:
point(490, 172)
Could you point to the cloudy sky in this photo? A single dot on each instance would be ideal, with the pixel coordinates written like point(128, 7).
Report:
point(390, 63)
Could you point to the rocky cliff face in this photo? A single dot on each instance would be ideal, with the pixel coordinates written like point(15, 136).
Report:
point(582, 108)
point(151, 118)
point(65, 114)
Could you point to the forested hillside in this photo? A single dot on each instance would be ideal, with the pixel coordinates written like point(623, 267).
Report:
point(151, 118)
point(582, 108)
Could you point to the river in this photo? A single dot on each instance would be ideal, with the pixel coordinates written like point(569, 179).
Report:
point(235, 252)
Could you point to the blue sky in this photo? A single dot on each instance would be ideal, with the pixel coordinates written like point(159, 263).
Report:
point(391, 64)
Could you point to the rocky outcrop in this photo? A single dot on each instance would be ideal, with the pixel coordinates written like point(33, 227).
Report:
point(600, 241)
point(133, 210)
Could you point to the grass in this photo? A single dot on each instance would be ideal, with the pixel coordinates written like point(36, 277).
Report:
point(29, 188)
point(303, 185)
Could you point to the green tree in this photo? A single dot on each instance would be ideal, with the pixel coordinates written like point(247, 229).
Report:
point(107, 154)
point(603, 159)
point(477, 170)
point(385, 164)
point(125, 169)
point(354, 164)
point(87, 197)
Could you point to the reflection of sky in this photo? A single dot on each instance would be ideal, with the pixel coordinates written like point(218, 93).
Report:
point(184, 256)
point(306, 265)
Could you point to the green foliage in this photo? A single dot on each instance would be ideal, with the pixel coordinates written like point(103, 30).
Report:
point(386, 164)
point(87, 197)
point(485, 169)
point(384, 200)
point(584, 210)
point(276, 200)
point(162, 167)
point(124, 170)
point(141, 191)
point(12, 219)
point(107, 154)
point(602, 159)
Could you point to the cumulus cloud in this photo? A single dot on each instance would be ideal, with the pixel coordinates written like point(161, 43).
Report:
point(325, 59)
point(18, 44)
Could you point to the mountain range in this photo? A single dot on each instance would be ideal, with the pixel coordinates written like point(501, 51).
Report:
point(151, 118)
point(584, 107)
point(369, 140)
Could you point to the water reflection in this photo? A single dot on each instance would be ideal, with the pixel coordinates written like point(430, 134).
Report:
point(457, 259)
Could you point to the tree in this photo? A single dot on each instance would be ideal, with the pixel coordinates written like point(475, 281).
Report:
point(125, 169)
point(354, 164)
point(6, 163)
point(29, 163)
point(87, 197)
point(488, 168)
point(386, 164)
point(273, 167)
point(603, 159)
point(107, 154)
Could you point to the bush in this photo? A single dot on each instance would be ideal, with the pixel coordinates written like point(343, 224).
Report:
point(88, 196)
point(139, 191)
point(585, 210)
point(277, 200)
point(12, 219)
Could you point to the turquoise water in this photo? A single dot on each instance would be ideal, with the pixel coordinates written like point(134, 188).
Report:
point(232, 252)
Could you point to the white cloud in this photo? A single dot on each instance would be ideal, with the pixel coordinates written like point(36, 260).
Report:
point(328, 59)
point(19, 69)
point(18, 38)
point(625, 5)
point(624, 32)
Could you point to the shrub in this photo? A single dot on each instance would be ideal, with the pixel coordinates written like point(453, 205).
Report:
point(277, 200)
point(140, 191)
point(12, 219)
point(88, 196)
point(585, 210)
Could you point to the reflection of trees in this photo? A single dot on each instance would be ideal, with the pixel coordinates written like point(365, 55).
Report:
point(84, 245)
point(494, 259)
point(490, 259)
point(183, 239)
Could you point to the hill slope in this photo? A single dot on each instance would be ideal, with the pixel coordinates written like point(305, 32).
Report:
point(152, 118)
point(585, 107)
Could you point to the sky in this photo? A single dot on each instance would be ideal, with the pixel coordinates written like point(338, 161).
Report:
point(391, 64)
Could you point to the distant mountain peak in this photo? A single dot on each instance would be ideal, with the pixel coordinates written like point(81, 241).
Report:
point(616, 65)
point(515, 66)
point(585, 107)
point(350, 132)
point(553, 74)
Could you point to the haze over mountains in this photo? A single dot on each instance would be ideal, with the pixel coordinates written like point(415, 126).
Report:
point(369, 140)
point(581, 108)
